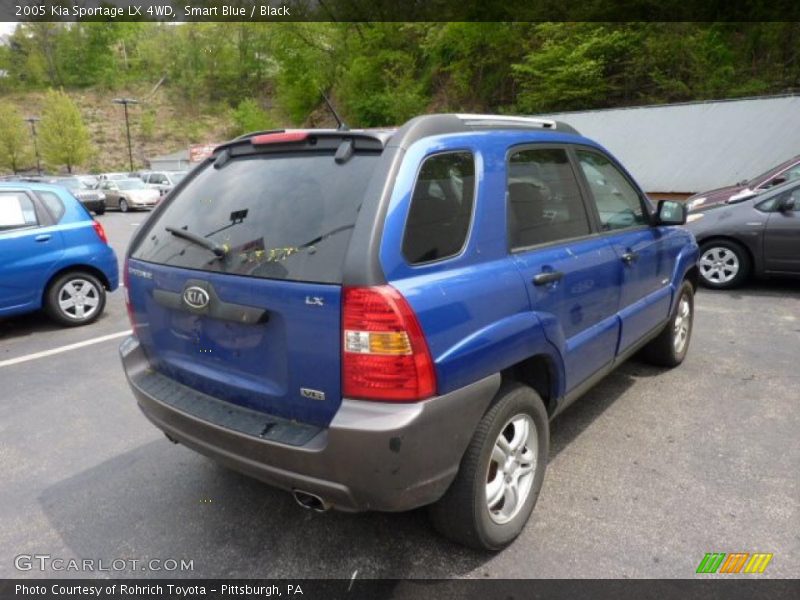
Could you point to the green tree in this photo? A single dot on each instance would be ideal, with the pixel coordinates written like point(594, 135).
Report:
point(248, 116)
point(306, 56)
point(470, 63)
point(386, 80)
point(15, 141)
point(574, 66)
point(64, 137)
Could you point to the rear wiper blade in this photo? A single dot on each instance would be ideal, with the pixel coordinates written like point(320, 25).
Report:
point(219, 251)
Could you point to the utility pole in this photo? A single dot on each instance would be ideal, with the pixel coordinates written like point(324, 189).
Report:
point(125, 102)
point(33, 121)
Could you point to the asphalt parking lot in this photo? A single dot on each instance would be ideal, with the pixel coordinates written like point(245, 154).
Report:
point(648, 472)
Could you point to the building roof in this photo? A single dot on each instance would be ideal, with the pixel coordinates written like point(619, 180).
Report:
point(179, 155)
point(696, 146)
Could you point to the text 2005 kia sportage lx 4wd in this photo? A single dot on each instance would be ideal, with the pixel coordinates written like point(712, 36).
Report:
point(386, 319)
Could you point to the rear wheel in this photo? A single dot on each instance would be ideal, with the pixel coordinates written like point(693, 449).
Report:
point(501, 473)
point(75, 298)
point(723, 264)
point(670, 347)
point(123, 205)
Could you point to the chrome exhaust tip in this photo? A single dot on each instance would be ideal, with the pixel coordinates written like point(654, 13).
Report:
point(310, 501)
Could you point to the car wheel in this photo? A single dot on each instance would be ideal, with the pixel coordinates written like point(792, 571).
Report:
point(100, 211)
point(501, 473)
point(670, 347)
point(723, 264)
point(123, 205)
point(75, 298)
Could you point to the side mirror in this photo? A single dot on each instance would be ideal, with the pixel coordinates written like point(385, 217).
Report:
point(671, 212)
point(776, 181)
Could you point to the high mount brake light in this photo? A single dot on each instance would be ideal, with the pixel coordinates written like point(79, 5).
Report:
point(384, 354)
point(276, 138)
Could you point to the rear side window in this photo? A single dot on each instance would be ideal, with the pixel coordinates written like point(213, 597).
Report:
point(286, 216)
point(544, 201)
point(16, 211)
point(618, 202)
point(441, 208)
point(54, 205)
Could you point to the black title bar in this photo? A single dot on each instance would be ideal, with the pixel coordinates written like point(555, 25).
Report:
point(399, 10)
point(733, 588)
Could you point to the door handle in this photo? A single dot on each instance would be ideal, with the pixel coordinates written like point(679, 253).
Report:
point(547, 277)
point(630, 257)
point(43, 237)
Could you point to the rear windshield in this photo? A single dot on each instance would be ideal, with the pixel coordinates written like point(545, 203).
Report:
point(276, 216)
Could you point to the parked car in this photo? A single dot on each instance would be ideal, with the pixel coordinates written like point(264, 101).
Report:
point(128, 194)
point(53, 255)
point(111, 177)
point(93, 200)
point(90, 181)
point(163, 181)
point(382, 320)
point(758, 235)
point(786, 171)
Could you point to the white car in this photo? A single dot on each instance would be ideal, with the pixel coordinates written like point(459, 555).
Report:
point(163, 181)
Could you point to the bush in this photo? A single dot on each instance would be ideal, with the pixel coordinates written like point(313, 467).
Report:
point(248, 116)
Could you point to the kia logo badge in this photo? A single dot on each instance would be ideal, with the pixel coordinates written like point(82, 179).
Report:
point(196, 297)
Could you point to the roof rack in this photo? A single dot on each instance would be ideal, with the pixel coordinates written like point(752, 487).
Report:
point(495, 120)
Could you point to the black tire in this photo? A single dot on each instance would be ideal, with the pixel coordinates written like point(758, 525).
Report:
point(100, 211)
point(463, 513)
point(87, 287)
point(123, 205)
point(717, 258)
point(666, 350)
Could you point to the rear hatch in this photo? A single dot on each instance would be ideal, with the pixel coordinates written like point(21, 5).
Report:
point(235, 283)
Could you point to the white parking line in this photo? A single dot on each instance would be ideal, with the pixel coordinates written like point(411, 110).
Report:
point(59, 350)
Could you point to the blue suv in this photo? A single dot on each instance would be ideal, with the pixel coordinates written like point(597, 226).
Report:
point(53, 255)
point(387, 319)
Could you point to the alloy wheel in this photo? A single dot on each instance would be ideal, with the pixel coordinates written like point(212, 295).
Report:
point(682, 325)
point(512, 467)
point(719, 265)
point(78, 299)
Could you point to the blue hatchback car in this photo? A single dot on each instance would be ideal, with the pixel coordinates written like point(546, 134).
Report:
point(387, 319)
point(53, 255)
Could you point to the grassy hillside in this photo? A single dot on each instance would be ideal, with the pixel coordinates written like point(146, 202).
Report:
point(158, 125)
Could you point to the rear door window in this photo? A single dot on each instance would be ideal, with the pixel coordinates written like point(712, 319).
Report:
point(54, 205)
point(287, 216)
point(441, 208)
point(544, 201)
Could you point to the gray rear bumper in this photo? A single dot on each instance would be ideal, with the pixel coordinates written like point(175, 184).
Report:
point(373, 455)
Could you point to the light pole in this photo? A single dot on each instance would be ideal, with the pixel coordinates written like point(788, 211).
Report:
point(125, 102)
point(33, 121)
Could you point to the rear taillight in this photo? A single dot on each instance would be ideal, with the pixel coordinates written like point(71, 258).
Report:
point(101, 233)
point(128, 306)
point(384, 352)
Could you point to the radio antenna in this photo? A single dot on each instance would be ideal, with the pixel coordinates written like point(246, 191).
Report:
point(342, 126)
